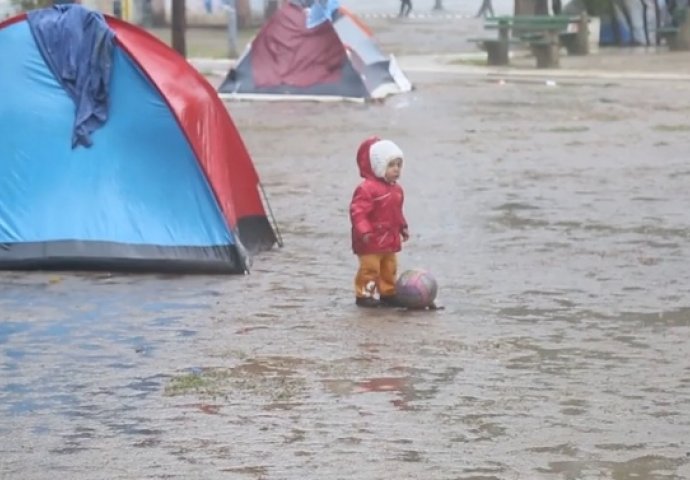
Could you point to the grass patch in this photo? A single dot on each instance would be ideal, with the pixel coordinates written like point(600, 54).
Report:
point(606, 117)
point(568, 129)
point(202, 382)
point(207, 42)
point(474, 62)
point(270, 381)
point(506, 104)
point(672, 128)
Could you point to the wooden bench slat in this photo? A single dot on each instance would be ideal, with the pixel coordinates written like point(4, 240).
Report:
point(545, 34)
point(677, 35)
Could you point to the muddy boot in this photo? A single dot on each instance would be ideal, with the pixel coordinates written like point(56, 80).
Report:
point(390, 301)
point(367, 302)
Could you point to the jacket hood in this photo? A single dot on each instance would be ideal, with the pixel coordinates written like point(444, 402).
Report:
point(364, 158)
point(373, 156)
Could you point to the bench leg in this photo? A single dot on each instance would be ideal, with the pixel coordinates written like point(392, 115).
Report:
point(681, 40)
point(581, 44)
point(575, 44)
point(497, 53)
point(548, 55)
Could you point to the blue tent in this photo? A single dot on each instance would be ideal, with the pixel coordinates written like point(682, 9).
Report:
point(166, 184)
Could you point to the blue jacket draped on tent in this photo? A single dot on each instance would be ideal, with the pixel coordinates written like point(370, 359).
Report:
point(77, 45)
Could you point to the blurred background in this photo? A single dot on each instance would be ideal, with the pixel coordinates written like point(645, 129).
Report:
point(250, 13)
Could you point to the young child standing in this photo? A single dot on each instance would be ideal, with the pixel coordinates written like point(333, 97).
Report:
point(378, 223)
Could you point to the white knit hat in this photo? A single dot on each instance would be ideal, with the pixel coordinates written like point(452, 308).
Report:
point(382, 152)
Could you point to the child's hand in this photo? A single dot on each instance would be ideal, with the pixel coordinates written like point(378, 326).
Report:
point(405, 234)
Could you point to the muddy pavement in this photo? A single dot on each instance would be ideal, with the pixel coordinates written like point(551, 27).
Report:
point(553, 216)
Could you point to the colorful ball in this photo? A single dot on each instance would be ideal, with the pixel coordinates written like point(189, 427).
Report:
point(416, 289)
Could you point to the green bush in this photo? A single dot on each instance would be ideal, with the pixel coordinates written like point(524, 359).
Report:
point(597, 8)
point(25, 5)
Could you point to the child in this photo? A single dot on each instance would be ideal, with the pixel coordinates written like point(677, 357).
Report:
point(378, 223)
point(405, 8)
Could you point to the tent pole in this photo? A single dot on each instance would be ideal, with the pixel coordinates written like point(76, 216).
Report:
point(279, 237)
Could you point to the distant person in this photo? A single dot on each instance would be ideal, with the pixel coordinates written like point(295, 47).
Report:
point(378, 223)
point(230, 7)
point(117, 8)
point(650, 12)
point(486, 9)
point(665, 19)
point(405, 8)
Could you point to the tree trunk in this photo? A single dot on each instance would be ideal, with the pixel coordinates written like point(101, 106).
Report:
point(269, 8)
point(232, 29)
point(179, 24)
point(531, 7)
point(525, 7)
point(244, 14)
point(542, 7)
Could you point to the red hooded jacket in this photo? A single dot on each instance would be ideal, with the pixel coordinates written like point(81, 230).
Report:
point(376, 209)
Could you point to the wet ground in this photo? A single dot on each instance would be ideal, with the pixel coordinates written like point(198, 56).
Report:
point(555, 219)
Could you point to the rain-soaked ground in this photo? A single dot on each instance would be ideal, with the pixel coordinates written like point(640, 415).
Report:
point(555, 219)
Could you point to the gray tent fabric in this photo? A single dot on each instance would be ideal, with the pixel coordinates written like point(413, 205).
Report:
point(77, 45)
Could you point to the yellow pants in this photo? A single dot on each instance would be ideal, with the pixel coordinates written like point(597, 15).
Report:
point(379, 268)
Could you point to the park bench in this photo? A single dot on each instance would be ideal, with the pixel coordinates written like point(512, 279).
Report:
point(544, 34)
point(677, 36)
